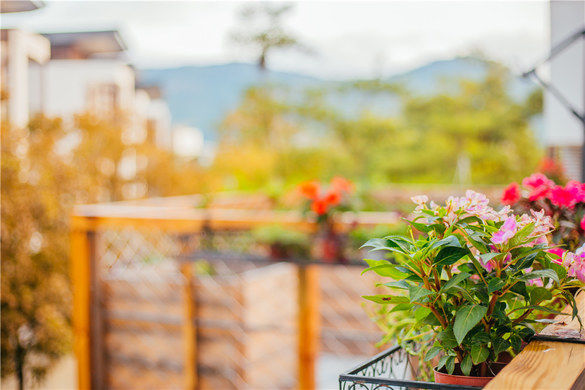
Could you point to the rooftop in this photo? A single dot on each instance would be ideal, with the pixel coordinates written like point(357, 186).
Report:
point(8, 6)
point(85, 43)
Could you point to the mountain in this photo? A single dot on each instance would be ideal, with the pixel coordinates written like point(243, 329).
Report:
point(201, 96)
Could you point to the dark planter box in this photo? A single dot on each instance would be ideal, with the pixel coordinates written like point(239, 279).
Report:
point(389, 370)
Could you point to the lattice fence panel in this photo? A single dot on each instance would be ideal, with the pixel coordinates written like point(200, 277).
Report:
point(346, 328)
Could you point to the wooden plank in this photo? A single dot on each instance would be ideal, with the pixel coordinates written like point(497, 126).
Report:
point(179, 219)
point(80, 279)
point(308, 341)
point(96, 315)
point(567, 328)
point(189, 329)
point(546, 364)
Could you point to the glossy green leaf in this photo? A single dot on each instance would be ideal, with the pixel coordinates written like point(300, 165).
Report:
point(495, 284)
point(479, 353)
point(450, 255)
point(539, 294)
point(455, 280)
point(466, 365)
point(434, 351)
point(466, 318)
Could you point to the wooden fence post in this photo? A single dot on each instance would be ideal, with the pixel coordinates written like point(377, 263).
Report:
point(81, 288)
point(308, 341)
point(189, 328)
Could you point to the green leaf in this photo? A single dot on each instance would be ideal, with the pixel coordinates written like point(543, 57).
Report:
point(539, 294)
point(540, 273)
point(516, 342)
point(442, 361)
point(434, 351)
point(485, 257)
point(450, 364)
point(391, 243)
point(385, 269)
point(541, 308)
point(500, 345)
point(455, 280)
point(466, 365)
point(479, 353)
point(421, 227)
point(384, 299)
point(466, 318)
point(421, 313)
point(401, 307)
point(417, 293)
point(447, 338)
point(464, 292)
point(401, 285)
point(495, 284)
point(450, 255)
point(522, 235)
point(559, 269)
point(449, 241)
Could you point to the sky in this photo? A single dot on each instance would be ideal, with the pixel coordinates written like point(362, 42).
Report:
point(348, 39)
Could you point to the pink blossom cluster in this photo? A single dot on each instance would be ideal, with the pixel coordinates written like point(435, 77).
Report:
point(542, 226)
point(573, 262)
point(538, 186)
point(473, 204)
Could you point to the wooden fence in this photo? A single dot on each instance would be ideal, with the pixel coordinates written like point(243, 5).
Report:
point(149, 314)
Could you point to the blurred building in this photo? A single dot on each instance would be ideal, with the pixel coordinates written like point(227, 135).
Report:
point(87, 72)
point(153, 110)
point(188, 141)
point(564, 132)
point(19, 49)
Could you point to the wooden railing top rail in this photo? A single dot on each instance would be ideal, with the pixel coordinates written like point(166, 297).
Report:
point(548, 364)
point(184, 218)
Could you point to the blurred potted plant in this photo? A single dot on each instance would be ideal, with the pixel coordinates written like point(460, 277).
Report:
point(283, 243)
point(564, 204)
point(324, 202)
point(473, 279)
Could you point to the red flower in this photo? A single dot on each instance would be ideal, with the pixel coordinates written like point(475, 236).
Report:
point(511, 194)
point(562, 197)
point(319, 206)
point(577, 189)
point(310, 189)
point(538, 193)
point(341, 184)
point(333, 198)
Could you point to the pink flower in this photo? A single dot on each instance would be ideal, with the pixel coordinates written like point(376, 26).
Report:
point(506, 232)
point(577, 189)
point(511, 194)
point(539, 184)
point(563, 197)
point(537, 180)
point(575, 264)
point(583, 223)
point(538, 193)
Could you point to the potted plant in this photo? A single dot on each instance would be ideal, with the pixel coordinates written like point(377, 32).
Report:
point(324, 202)
point(474, 279)
point(283, 243)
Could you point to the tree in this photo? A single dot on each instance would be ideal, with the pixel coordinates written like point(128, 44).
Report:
point(35, 288)
point(46, 168)
point(262, 28)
